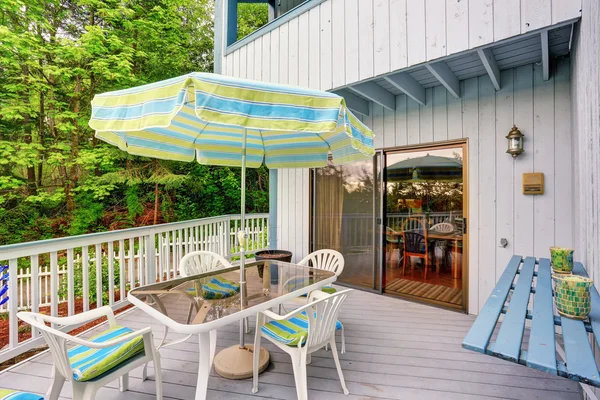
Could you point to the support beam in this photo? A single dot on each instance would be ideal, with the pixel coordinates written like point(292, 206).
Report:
point(375, 93)
point(220, 18)
point(408, 85)
point(354, 102)
point(545, 55)
point(489, 62)
point(442, 73)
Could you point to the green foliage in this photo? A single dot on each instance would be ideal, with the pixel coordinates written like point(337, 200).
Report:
point(56, 179)
point(78, 280)
point(251, 17)
point(85, 217)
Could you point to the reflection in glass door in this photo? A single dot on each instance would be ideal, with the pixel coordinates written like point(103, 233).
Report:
point(346, 208)
point(424, 224)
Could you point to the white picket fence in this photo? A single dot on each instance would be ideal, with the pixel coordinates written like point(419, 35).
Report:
point(44, 292)
point(139, 255)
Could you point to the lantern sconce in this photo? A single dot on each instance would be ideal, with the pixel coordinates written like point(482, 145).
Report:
point(515, 142)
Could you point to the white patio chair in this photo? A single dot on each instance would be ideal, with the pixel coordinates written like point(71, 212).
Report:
point(327, 259)
point(441, 245)
point(305, 330)
point(200, 262)
point(445, 227)
point(96, 361)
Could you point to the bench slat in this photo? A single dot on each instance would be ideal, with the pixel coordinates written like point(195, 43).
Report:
point(542, 346)
point(579, 353)
point(510, 337)
point(595, 313)
point(580, 358)
point(480, 333)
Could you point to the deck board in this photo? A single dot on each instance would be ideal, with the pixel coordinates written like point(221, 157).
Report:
point(413, 352)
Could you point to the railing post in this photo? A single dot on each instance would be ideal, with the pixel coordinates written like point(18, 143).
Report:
point(227, 235)
point(151, 257)
point(98, 260)
point(70, 282)
point(13, 304)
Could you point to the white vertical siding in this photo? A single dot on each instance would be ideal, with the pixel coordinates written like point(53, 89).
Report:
point(497, 207)
point(354, 40)
point(435, 30)
point(338, 50)
point(381, 39)
point(585, 104)
point(535, 14)
point(415, 25)
point(398, 44)
point(326, 47)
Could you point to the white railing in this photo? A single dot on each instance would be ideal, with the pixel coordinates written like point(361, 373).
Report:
point(66, 270)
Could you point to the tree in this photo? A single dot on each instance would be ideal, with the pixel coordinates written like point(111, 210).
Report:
point(55, 177)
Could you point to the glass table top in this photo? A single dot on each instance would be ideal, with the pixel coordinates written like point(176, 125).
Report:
point(204, 298)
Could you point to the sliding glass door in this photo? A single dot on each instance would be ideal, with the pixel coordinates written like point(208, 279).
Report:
point(424, 224)
point(402, 228)
point(346, 211)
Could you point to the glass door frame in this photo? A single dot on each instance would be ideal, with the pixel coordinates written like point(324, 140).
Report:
point(379, 213)
point(463, 144)
point(377, 226)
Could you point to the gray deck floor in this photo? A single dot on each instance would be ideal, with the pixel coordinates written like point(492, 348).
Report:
point(395, 350)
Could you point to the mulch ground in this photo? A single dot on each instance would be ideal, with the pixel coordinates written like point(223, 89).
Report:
point(63, 311)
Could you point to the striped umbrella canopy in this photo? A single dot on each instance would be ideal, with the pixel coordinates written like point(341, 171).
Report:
point(426, 168)
point(204, 117)
point(219, 120)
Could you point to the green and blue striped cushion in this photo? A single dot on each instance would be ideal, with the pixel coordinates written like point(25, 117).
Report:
point(88, 363)
point(7, 394)
point(291, 331)
point(219, 288)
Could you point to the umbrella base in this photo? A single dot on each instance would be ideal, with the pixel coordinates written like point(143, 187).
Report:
point(236, 363)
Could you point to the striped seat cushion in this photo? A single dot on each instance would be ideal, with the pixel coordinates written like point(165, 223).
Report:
point(291, 331)
point(89, 363)
point(7, 394)
point(219, 288)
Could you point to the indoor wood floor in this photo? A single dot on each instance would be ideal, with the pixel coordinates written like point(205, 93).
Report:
point(395, 350)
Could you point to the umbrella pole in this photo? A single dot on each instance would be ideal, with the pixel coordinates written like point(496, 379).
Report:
point(236, 362)
point(243, 238)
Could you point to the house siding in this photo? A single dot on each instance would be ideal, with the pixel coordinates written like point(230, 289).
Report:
point(346, 41)
point(585, 97)
point(497, 208)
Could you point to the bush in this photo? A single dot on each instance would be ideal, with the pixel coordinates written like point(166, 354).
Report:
point(78, 280)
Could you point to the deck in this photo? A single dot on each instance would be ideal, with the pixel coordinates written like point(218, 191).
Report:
point(395, 350)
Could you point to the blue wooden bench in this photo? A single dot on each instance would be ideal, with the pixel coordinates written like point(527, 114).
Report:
point(512, 299)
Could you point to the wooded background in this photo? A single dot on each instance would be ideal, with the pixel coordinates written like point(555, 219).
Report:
point(56, 179)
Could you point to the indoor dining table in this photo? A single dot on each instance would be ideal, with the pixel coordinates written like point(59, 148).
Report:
point(179, 304)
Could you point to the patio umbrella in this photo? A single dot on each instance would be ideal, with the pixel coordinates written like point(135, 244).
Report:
point(426, 168)
point(219, 120)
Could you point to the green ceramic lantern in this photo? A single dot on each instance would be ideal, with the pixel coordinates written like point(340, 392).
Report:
point(561, 260)
point(572, 295)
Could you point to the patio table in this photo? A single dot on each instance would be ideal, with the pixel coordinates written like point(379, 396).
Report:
point(178, 303)
point(511, 298)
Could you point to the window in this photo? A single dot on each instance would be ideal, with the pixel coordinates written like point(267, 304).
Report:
point(247, 16)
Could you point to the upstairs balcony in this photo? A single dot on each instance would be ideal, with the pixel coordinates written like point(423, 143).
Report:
point(370, 52)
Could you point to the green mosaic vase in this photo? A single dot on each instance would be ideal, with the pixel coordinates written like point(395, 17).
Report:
point(572, 295)
point(561, 260)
